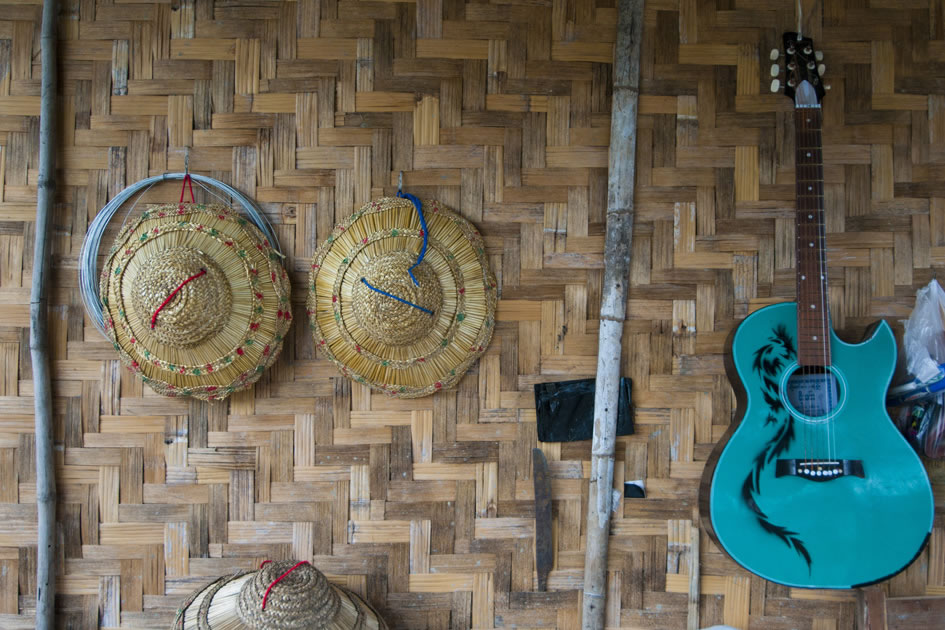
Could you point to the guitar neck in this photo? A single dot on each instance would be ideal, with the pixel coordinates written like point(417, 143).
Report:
point(813, 312)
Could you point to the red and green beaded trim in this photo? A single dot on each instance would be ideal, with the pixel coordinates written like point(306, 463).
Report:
point(256, 309)
point(457, 318)
point(277, 277)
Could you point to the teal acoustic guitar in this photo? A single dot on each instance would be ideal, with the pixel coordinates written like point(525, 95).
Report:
point(813, 486)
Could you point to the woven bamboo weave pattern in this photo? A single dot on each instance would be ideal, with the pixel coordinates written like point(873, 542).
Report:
point(500, 111)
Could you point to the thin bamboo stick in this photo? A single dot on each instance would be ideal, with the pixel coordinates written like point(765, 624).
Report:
point(42, 394)
point(692, 614)
point(620, 185)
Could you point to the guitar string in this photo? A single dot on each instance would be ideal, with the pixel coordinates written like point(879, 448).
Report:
point(827, 380)
point(812, 136)
point(811, 233)
point(830, 384)
point(832, 392)
point(802, 265)
point(817, 434)
point(814, 139)
point(821, 372)
point(803, 368)
point(811, 427)
point(818, 215)
point(826, 376)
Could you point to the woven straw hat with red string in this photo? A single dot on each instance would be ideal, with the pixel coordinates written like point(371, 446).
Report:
point(279, 596)
point(195, 300)
point(401, 296)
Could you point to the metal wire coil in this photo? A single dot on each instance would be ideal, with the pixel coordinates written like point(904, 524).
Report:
point(88, 255)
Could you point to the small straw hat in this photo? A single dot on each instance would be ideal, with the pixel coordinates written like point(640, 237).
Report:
point(195, 300)
point(401, 299)
point(279, 596)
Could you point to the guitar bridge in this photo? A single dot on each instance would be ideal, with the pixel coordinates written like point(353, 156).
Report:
point(819, 469)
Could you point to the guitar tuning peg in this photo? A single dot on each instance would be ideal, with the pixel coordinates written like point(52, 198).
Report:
point(821, 69)
point(819, 55)
point(775, 69)
point(775, 85)
point(774, 54)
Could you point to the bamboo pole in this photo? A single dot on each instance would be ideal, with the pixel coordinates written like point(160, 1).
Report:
point(692, 613)
point(613, 311)
point(42, 394)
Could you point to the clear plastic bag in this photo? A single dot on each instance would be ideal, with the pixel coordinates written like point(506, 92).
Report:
point(921, 401)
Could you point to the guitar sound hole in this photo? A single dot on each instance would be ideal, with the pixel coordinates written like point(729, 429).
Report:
point(813, 391)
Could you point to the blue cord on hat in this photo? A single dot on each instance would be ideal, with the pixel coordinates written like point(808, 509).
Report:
point(391, 295)
point(423, 250)
point(423, 229)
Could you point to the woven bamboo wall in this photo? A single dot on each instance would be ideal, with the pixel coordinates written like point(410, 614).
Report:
point(502, 111)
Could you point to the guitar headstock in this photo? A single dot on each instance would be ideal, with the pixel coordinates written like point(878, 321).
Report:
point(802, 64)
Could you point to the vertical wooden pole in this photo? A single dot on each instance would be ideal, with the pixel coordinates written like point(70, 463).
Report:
point(613, 311)
point(42, 394)
point(871, 608)
point(692, 614)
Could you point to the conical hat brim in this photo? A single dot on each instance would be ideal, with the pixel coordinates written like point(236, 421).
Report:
point(216, 605)
point(250, 338)
point(459, 331)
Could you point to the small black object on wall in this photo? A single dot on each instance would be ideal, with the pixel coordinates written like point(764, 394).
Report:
point(566, 410)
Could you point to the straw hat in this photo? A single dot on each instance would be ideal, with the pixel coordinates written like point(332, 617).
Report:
point(279, 596)
point(195, 300)
point(406, 328)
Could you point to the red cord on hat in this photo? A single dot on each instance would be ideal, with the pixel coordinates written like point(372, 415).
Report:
point(266, 596)
point(187, 182)
point(173, 293)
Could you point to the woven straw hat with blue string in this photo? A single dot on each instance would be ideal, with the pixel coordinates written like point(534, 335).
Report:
point(401, 296)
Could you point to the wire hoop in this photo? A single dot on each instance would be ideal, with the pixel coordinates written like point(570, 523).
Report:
point(88, 255)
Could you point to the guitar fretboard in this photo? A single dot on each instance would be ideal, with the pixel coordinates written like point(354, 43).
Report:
point(813, 314)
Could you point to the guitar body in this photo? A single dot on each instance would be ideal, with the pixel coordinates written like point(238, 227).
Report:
point(792, 526)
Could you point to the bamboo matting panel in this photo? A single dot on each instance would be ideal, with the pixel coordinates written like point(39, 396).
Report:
point(500, 110)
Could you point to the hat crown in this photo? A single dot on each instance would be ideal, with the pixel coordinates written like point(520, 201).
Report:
point(391, 321)
point(182, 295)
point(302, 598)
